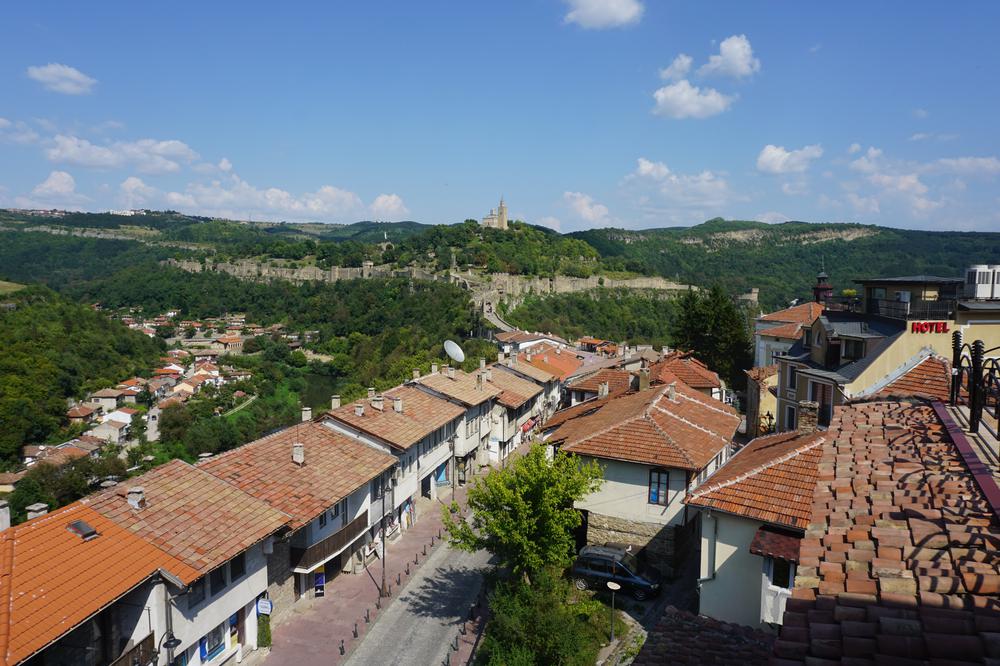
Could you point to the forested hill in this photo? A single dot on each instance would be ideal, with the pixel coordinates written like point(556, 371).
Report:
point(54, 349)
point(783, 259)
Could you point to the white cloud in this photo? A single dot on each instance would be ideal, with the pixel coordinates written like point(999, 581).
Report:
point(854, 148)
point(920, 113)
point(58, 190)
point(776, 159)
point(970, 165)
point(863, 204)
point(225, 165)
point(62, 79)
point(869, 162)
point(4, 123)
point(772, 217)
point(150, 156)
point(794, 187)
point(17, 132)
point(550, 222)
point(705, 189)
point(920, 136)
point(598, 14)
point(135, 193)
point(236, 198)
point(678, 69)
point(735, 59)
point(389, 207)
point(682, 100)
point(584, 206)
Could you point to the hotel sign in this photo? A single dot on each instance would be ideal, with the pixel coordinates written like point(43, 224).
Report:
point(928, 327)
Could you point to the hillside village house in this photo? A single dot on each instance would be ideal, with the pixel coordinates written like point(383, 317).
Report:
point(754, 513)
point(691, 371)
point(903, 321)
point(516, 341)
point(107, 399)
point(476, 397)
point(654, 445)
point(516, 410)
point(419, 429)
point(606, 381)
point(330, 486)
point(776, 332)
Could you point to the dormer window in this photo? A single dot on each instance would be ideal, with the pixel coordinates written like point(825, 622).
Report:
point(853, 349)
point(807, 337)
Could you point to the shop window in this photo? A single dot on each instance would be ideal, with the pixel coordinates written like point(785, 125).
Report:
point(196, 595)
point(659, 482)
point(217, 580)
point(213, 643)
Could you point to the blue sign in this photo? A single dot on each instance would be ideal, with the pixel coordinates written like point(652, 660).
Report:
point(264, 606)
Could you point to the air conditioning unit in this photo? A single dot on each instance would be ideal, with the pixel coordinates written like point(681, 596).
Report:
point(397, 473)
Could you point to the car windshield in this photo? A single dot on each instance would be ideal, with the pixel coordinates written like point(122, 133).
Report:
point(628, 559)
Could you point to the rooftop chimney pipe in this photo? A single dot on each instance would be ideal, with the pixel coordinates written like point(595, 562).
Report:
point(4, 515)
point(299, 454)
point(359, 409)
point(378, 403)
point(307, 414)
point(136, 497)
point(37, 509)
point(482, 363)
point(371, 392)
point(451, 372)
point(416, 373)
point(397, 404)
point(434, 368)
point(335, 402)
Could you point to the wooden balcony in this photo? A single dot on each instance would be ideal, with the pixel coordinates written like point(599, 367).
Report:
point(307, 558)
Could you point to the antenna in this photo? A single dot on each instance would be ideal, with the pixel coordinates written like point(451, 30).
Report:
point(454, 351)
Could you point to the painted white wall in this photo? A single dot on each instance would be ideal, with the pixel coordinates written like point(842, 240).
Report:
point(313, 533)
point(733, 594)
point(625, 494)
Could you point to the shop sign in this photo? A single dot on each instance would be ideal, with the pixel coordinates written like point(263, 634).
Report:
point(928, 327)
point(264, 606)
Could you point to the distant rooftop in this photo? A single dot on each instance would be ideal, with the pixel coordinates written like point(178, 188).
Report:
point(910, 279)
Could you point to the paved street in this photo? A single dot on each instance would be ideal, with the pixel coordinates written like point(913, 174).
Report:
point(418, 628)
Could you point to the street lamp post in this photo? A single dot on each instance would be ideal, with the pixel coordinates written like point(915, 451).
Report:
point(614, 587)
point(381, 482)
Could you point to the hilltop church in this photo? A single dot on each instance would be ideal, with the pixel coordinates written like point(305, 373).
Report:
point(497, 219)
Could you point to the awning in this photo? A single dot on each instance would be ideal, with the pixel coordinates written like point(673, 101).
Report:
point(775, 542)
point(528, 425)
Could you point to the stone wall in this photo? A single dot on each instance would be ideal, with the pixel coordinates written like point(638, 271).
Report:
point(656, 539)
point(280, 581)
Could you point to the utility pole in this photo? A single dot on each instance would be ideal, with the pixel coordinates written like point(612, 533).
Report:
point(382, 522)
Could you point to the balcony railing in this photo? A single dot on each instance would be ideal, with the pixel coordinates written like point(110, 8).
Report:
point(975, 382)
point(912, 310)
point(140, 653)
point(307, 558)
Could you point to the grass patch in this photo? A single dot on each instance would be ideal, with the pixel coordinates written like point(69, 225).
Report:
point(9, 287)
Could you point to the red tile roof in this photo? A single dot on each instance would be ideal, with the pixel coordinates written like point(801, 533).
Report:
point(900, 559)
point(773, 542)
point(422, 414)
point(79, 412)
point(649, 427)
point(805, 313)
point(771, 479)
point(463, 387)
point(516, 391)
point(51, 580)
point(192, 515)
point(335, 466)
point(685, 367)
point(579, 409)
point(686, 639)
point(618, 381)
point(931, 377)
point(790, 331)
point(763, 372)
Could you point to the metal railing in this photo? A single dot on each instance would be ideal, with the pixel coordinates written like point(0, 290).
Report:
point(942, 309)
point(975, 381)
point(142, 652)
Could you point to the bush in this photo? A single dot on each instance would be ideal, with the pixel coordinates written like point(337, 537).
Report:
point(263, 631)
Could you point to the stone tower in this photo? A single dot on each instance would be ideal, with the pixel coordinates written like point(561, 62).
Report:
point(502, 215)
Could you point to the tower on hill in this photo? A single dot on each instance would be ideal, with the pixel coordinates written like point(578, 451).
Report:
point(497, 219)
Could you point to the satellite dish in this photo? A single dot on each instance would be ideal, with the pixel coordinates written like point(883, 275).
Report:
point(454, 351)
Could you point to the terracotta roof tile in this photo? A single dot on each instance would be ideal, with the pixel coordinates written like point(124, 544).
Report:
point(902, 545)
point(685, 367)
point(422, 414)
point(686, 639)
point(196, 517)
point(463, 387)
point(805, 313)
point(649, 427)
point(516, 391)
point(771, 479)
point(774, 542)
point(931, 377)
point(790, 331)
point(579, 409)
point(51, 579)
point(618, 381)
point(335, 466)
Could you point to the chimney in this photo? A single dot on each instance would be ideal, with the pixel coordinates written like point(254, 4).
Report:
point(359, 409)
point(397, 404)
point(808, 416)
point(299, 454)
point(602, 390)
point(416, 373)
point(371, 392)
point(136, 497)
point(307, 414)
point(204, 456)
point(4, 515)
point(558, 351)
point(37, 509)
point(479, 381)
point(489, 374)
point(378, 402)
point(482, 363)
point(643, 379)
point(434, 368)
point(499, 357)
point(527, 357)
point(335, 402)
point(672, 391)
point(664, 350)
point(451, 372)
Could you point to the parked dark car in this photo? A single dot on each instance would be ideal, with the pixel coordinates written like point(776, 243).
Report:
point(597, 565)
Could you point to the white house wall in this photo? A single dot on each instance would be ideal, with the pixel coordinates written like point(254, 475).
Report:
point(625, 493)
point(733, 594)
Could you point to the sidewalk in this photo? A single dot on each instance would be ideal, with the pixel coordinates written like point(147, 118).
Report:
point(317, 628)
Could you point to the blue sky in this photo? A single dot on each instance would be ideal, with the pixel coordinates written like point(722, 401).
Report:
point(582, 113)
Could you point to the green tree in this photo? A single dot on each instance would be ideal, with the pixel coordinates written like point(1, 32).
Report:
point(709, 324)
point(524, 512)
